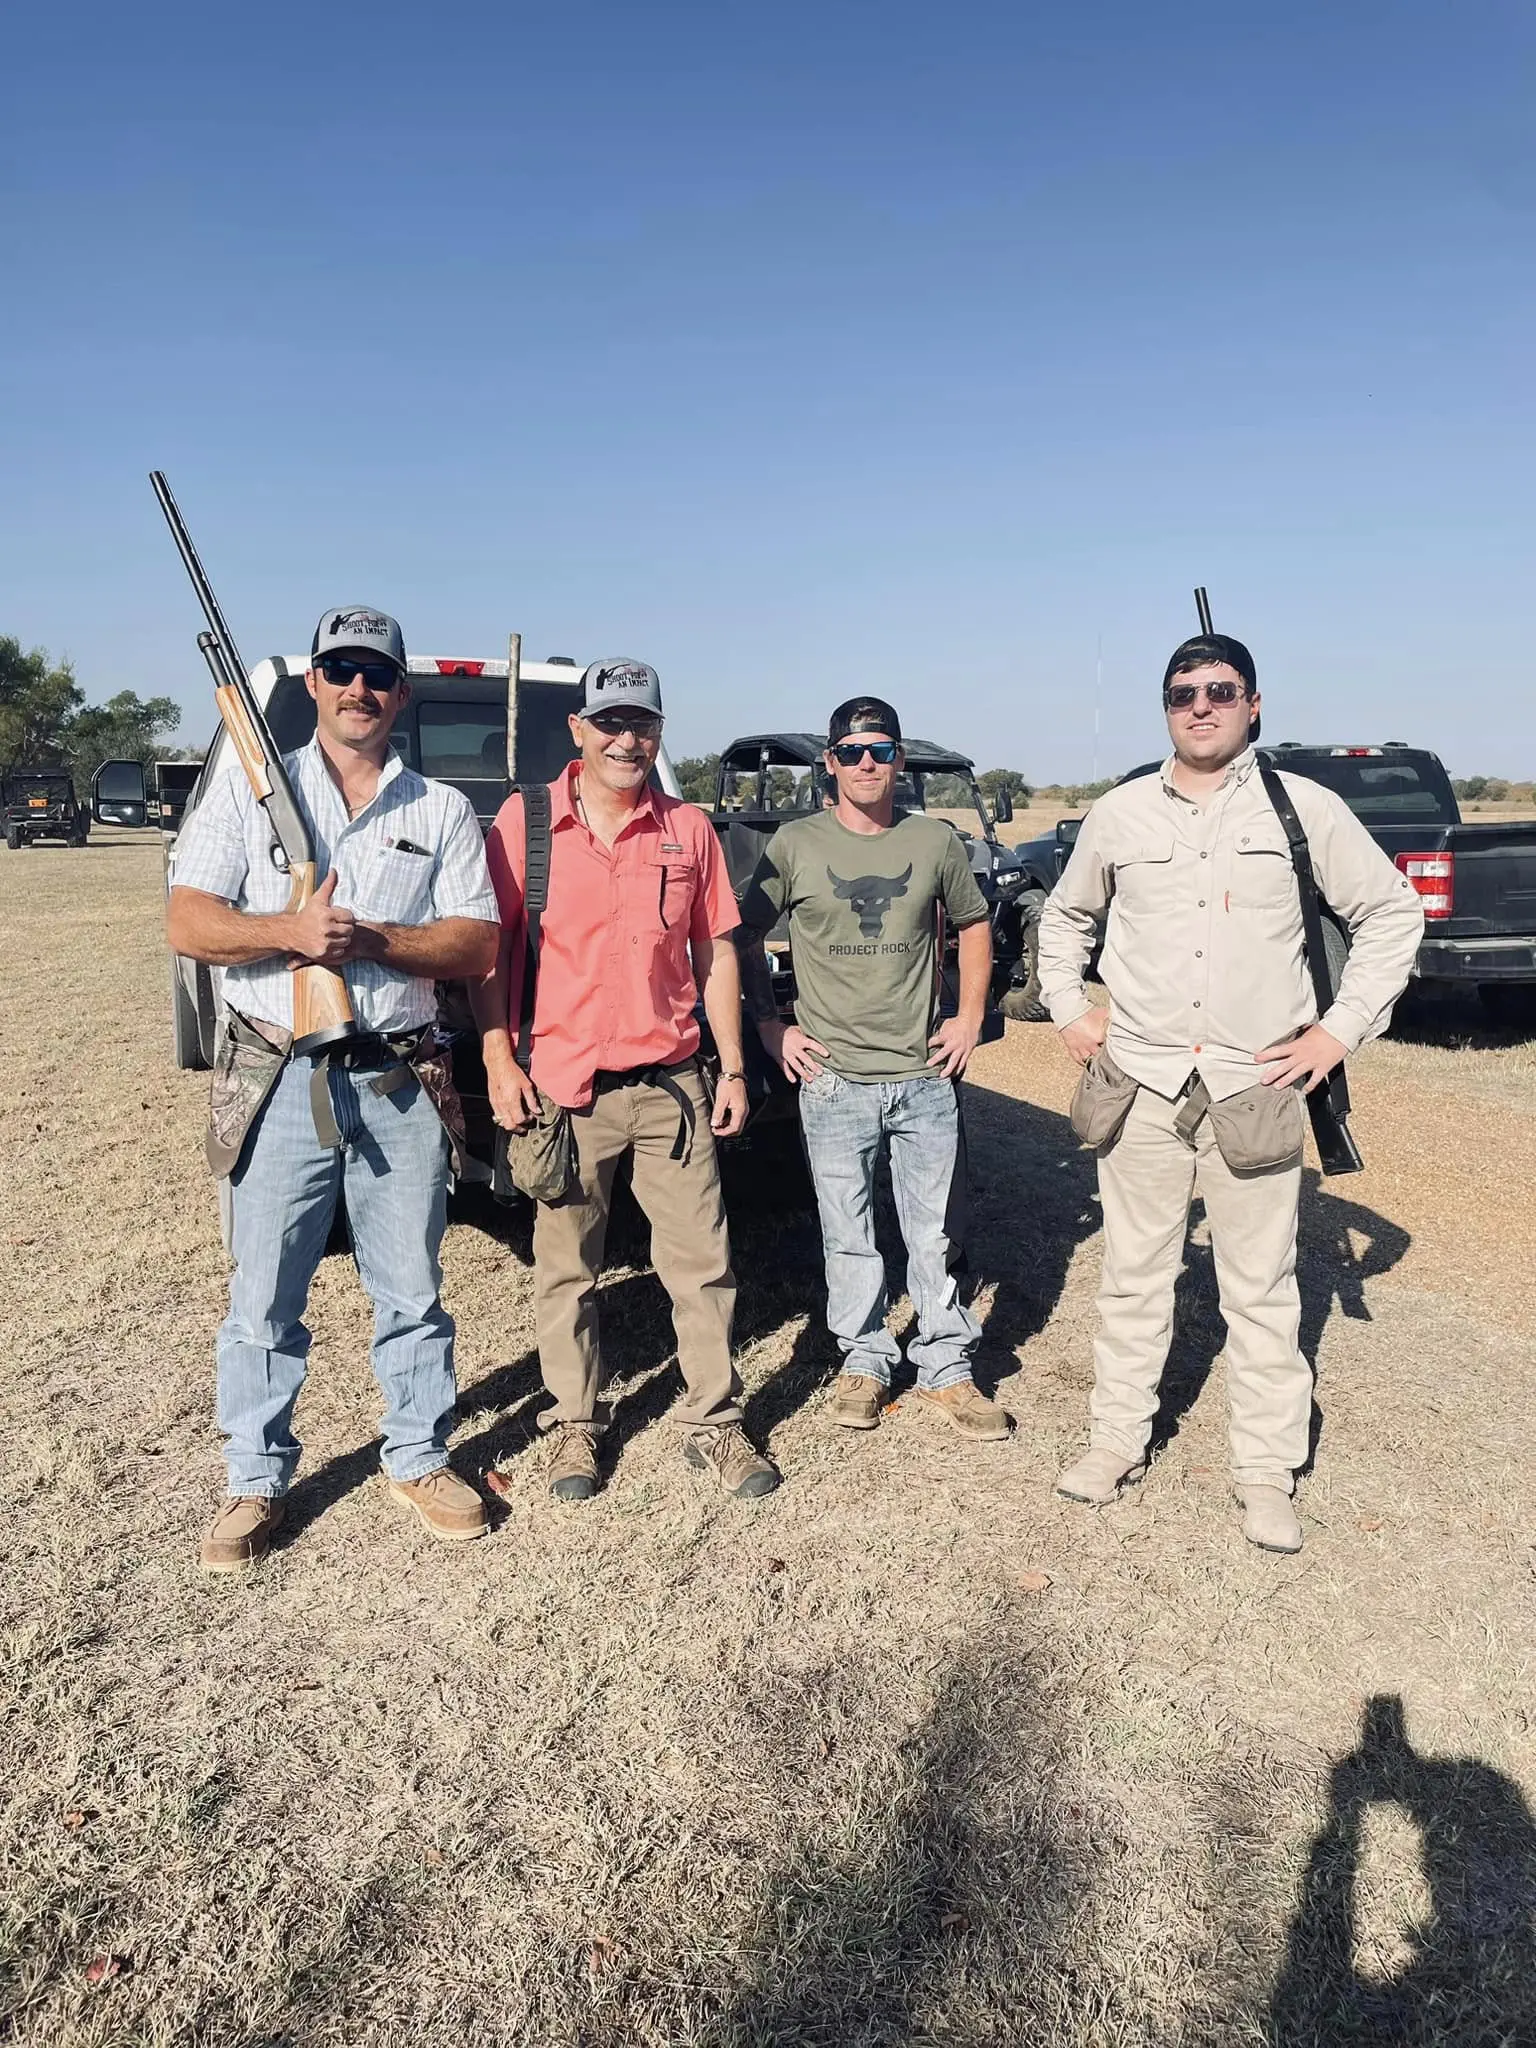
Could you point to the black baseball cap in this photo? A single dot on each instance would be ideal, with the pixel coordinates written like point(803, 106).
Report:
point(863, 714)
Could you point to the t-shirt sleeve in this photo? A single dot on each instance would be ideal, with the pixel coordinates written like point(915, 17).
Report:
point(767, 895)
point(461, 885)
point(958, 888)
point(211, 853)
point(714, 906)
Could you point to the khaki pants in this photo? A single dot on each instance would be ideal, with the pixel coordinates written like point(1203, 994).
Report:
point(1146, 1181)
point(689, 1246)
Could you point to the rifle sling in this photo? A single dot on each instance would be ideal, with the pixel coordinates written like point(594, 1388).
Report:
point(538, 839)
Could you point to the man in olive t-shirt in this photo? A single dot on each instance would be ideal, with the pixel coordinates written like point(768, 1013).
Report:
point(864, 891)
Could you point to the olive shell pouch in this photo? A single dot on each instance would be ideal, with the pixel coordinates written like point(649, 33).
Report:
point(1260, 1129)
point(1102, 1102)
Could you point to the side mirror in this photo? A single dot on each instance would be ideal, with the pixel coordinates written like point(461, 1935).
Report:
point(1002, 808)
point(119, 795)
point(1067, 830)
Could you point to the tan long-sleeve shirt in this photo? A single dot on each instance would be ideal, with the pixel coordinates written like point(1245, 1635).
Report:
point(1203, 955)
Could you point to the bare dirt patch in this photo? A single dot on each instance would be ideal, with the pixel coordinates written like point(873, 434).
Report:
point(911, 1752)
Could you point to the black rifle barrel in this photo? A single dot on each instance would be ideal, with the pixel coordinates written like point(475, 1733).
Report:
point(1203, 608)
point(194, 569)
point(218, 661)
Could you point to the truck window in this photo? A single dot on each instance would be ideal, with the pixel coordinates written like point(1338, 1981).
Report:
point(1396, 790)
point(462, 742)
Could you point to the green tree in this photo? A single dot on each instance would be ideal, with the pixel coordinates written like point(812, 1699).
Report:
point(126, 728)
point(37, 703)
point(696, 778)
point(995, 780)
point(1470, 786)
point(947, 792)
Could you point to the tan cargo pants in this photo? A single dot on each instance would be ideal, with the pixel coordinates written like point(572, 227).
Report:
point(1146, 1181)
point(689, 1247)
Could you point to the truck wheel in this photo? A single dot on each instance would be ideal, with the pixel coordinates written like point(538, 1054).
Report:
point(1022, 1002)
point(185, 1034)
point(1510, 1004)
point(13, 838)
point(82, 834)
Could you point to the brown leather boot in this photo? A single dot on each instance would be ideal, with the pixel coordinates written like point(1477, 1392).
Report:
point(1098, 1476)
point(857, 1401)
point(966, 1409)
point(573, 1462)
point(452, 1511)
point(241, 1532)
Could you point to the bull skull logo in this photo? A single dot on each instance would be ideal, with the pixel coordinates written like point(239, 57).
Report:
point(871, 896)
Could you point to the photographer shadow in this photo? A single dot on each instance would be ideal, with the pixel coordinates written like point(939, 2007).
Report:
point(1466, 1971)
point(1330, 1273)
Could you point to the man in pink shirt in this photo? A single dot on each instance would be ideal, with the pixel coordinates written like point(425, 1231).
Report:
point(636, 925)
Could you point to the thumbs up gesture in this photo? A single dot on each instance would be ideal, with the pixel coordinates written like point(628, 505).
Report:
point(322, 930)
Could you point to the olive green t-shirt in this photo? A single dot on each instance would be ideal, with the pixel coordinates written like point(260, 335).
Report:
point(862, 933)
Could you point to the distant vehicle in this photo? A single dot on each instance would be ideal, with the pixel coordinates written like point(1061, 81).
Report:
point(1477, 882)
point(174, 782)
point(464, 720)
point(40, 803)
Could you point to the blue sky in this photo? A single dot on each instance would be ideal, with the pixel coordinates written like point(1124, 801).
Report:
point(797, 349)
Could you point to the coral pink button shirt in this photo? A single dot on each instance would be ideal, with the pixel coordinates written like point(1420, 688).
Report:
point(616, 986)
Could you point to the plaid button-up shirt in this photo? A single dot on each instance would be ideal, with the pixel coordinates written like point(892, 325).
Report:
point(411, 856)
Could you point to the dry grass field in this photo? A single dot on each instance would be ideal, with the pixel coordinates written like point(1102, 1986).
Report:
point(912, 1752)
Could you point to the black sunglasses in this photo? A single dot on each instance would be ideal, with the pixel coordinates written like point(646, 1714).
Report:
point(1180, 696)
point(849, 753)
point(645, 725)
point(380, 676)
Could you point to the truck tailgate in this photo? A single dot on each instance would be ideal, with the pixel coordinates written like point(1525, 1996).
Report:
point(1495, 888)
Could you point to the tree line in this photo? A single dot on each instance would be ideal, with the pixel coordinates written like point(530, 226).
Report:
point(45, 721)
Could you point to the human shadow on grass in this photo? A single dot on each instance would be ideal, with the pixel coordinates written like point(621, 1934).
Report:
point(1471, 1974)
point(1330, 1272)
point(939, 1908)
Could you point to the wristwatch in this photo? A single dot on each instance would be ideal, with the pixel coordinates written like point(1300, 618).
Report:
point(734, 1074)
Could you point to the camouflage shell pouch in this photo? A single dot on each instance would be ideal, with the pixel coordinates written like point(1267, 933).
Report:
point(541, 1161)
point(245, 1070)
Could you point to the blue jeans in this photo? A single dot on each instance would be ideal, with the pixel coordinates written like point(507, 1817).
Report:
point(844, 1123)
point(393, 1166)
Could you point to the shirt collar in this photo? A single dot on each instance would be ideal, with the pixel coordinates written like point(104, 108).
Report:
point(1238, 772)
point(392, 768)
point(562, 801)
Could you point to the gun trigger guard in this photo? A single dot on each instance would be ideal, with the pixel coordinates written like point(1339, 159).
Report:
point(279, 858)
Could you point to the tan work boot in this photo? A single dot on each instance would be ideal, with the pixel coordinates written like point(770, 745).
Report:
point(1099, 1475)
point(729, 1455)
point(966, 1408)
point(452, 1511)
point(1269, 1518)
point(241, 1531)
point(573, 1463)
point(857, 1401)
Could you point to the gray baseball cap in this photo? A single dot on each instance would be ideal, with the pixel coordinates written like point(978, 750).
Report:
point(618, 685)
point(359, 629)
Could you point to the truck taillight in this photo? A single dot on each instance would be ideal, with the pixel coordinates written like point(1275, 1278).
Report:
point(1433, 875)
point(460, 668)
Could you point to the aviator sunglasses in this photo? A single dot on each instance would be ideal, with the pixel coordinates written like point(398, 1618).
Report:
point(849, 753)
point(1180, 696)
point(380, 676)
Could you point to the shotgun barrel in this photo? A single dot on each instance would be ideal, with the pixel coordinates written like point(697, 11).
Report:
point(322, 1007)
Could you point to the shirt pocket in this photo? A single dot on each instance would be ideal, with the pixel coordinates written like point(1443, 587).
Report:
point(1144, 876)
point(661, 892)
point(398, 888)
point(1261, 876)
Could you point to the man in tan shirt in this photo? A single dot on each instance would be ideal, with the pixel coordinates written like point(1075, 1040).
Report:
point(1210, 996)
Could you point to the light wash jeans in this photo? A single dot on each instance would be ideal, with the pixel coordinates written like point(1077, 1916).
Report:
point(844, 1123)
point(394, 1167)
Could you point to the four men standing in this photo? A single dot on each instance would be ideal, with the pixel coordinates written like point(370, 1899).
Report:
point(1193, 1079)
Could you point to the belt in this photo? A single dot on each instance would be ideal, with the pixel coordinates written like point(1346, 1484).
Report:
point(657, 1075)
point(392, 1054)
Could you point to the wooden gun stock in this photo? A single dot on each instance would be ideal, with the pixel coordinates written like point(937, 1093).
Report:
point(322, 1007)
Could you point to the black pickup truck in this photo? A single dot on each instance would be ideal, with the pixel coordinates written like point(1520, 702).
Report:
point(1477, 882)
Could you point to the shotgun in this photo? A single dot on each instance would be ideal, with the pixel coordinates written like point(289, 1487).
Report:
point(322, 1008)
point(1328, 1103)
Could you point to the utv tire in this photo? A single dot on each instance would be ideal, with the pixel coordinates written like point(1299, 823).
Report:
point(1022, 1002)
point(13, 838)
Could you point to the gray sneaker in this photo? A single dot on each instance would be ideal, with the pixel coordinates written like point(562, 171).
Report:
point(573, 1464)
point(729, 1455)
point(1099, 1475)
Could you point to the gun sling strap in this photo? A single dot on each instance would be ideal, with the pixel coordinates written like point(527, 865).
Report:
point(1328, 1103)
